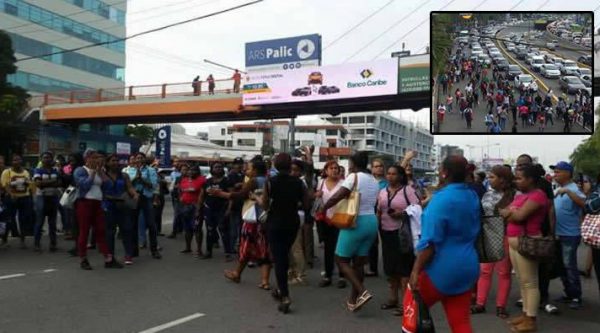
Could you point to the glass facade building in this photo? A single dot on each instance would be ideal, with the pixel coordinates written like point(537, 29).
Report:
point(38, 28)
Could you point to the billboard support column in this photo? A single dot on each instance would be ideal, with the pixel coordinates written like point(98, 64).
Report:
point(292, 135)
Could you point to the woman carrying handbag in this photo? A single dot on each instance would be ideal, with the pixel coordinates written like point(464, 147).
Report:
point(525, 216)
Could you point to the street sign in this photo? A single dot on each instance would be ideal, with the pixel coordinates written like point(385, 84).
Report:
point(400, 54)
point(163, 146)
point(285, 53)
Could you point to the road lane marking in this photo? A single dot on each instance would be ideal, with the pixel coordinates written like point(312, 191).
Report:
point(173, 323)
point(11, 276)
point(49, 270)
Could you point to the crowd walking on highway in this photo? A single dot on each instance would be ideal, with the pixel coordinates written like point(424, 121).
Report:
point(487, 92)
point(264, 212)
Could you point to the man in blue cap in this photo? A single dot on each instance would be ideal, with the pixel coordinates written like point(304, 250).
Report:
point(568, 204)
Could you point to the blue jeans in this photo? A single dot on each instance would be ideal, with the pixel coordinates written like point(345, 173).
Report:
point(570, 279)
point(45, 206)
point(122, 218)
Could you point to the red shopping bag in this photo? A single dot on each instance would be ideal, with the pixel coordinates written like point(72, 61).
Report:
point(416, 318)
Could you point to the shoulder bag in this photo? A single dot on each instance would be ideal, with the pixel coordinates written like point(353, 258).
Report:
point(318, 203)
point(405, 232)
point(346, 211)
point(417, 318)
point(590, 230)
point(541, 249)
point(490, 241)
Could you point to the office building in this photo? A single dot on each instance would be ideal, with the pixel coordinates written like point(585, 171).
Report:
point(42, 27)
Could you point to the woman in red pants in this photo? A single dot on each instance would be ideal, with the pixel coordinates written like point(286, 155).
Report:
point(499, 196)
point(447, 234)
point(90, 180)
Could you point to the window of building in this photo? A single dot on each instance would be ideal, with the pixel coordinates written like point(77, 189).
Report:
point(102, 9)
point(331, 132)
point(42, 84)
point(357, 120)
point(370, 131)
point(370, 142)
point(370, 119)
point(246, 142)
point(222, 131)
point(229, 143)
point(59, 23)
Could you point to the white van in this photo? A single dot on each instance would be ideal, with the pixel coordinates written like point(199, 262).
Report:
point(537, 62)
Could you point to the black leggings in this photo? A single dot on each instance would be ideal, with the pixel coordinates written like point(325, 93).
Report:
point(330, 237)
point(596, 258)
point(281, 241)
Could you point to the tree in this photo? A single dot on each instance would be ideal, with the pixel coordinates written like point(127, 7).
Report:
point(144, 133)
point(13, 102)
point(585, 157)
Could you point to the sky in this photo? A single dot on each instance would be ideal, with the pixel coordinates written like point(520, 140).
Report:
point(177, 54)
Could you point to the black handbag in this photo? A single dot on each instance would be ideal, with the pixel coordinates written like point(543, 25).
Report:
point(542, 249)
point(405, 231)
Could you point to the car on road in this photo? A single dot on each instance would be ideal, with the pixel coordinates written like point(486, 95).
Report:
point(513, 71)
point(536, 63)
point(551, 46)
point(550, 71)
point(570, 84)
point(586, 79)
point(584, 71)
point(484, 59)
point(305, 91)
point(586, 59)
point(559, 62)
point(569, 68)
point(521, 53)
point(527, 80)
point(502, 64)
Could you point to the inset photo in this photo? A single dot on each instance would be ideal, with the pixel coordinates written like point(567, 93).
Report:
point(512, 72)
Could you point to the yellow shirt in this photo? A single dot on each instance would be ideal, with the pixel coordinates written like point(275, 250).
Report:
point(17, 184)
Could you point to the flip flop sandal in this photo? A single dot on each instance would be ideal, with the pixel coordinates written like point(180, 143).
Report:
point(264, 286)
point(476, 309)
point(232, 277)
point(362, 300)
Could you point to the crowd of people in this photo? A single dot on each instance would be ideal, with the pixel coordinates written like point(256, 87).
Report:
point(264, 212)
point(504, 106)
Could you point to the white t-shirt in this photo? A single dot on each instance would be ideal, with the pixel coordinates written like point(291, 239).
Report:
point(95, 192)
point(368, 188)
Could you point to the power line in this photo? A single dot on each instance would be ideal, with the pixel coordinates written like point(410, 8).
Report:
point(358, 24)
point(413, 29)
point(542, 5)
point(387, 30)
point(147, 31)
point(479, 5)
point(517, 5)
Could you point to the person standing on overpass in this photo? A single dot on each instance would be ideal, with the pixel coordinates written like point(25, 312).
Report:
point(237, 79)
point(211, 84)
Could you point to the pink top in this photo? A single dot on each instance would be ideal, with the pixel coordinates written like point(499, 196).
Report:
point(533, 224)
point(327, 194)
point(398, 203)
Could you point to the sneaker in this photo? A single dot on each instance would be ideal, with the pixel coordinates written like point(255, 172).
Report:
point(551, 309)
point(156, 255)
point(519, 303)
point(325, 282)
point(113, 264)
point(128, 260)
point(575, 304)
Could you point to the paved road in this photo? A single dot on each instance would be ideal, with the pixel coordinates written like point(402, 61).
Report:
point(151, 293)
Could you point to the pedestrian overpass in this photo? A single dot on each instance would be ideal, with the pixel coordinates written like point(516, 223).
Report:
point(178, 102)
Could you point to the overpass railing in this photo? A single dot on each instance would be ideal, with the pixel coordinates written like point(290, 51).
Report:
point(136, 92)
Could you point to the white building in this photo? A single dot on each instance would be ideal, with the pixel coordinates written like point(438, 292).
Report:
point(381, 134)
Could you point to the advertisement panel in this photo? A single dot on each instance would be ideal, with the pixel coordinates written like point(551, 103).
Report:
point(123, 148)
point(414, 74)
point(376, 78)
point(284, 54)
point(163, 146)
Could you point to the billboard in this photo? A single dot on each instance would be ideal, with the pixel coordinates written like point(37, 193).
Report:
point(376, 78)
point(414, 73)
point(284, 54)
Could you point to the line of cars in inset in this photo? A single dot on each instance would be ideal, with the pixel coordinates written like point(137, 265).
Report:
point(571, 77)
